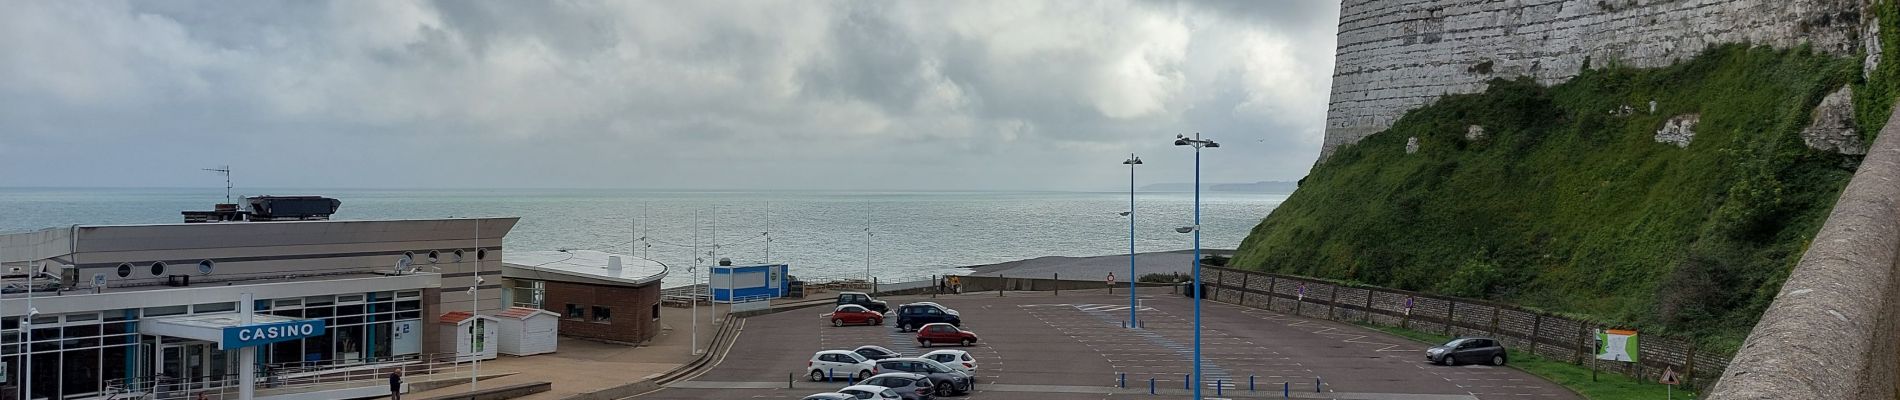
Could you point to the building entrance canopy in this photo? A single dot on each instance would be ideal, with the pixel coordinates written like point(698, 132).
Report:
point(230, 332)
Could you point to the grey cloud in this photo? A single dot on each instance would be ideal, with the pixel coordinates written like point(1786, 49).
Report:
point(977, 95)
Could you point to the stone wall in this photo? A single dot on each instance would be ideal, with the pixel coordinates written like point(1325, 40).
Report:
point(1394, 56)
point(632, 316)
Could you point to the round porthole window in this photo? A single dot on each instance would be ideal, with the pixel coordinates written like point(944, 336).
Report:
point(481, 254)
point(458, 255)
point(204, 267)
point(125, 270)
point(158, 268)
point(434, 255)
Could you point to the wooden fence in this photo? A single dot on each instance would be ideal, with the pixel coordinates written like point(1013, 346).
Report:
point(1552, 337)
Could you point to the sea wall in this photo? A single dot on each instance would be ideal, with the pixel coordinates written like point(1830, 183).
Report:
point(1394, 56)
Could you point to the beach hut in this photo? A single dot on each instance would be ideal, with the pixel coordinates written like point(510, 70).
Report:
point(527, 331)
point(475, 336)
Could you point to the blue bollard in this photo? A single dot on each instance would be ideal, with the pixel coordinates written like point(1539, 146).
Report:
point(1187, 382)
point(1286, 390)
point(1121, 380)
point(831, 375)
point(1151, 385)
point(1316, 384)
point(1250, 383)
point(1218, 385)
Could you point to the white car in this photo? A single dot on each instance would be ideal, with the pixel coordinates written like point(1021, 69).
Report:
point(840, 364)
point(870, 392)
point(955, 359)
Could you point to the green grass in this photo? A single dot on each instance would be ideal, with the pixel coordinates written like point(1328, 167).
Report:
point(1606, 385)
point(1571, 206)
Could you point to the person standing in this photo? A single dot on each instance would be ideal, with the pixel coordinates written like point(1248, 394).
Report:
point(395, 385)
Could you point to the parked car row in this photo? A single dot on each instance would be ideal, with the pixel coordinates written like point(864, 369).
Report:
point(922, 377)
point(881, 373)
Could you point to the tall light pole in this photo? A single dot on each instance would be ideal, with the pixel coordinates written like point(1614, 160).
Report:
point(867, 258)
point(475, 312)
point(695, 287)
point(1131, 162)
point(1197, 143)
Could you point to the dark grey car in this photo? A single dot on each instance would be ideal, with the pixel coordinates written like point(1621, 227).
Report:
point(948, 381)
point(1469, 350)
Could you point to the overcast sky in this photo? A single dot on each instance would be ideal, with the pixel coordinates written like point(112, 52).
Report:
point(824, 95)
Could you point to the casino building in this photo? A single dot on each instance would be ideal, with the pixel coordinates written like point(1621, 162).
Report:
point(114, 305)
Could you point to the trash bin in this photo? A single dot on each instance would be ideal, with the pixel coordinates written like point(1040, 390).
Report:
point(795, 289)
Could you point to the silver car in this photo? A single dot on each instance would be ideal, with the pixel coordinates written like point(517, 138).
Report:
point(947, 381)
point(910, 386)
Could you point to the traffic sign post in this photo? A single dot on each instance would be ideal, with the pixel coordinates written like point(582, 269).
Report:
point(1111, 282)
point(1670, 379)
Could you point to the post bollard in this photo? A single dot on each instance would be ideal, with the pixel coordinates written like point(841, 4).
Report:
point(1286, 390)
point(1151, 385)
point(789, 379)
point(1218, 386)
point(1187, 382)
point(1250, 383)
point(1056, 278)
point(1121, 380)
point(1316, 384)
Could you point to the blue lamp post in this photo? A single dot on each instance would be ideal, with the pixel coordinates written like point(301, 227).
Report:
point(1132, 162)
point(1197, 143)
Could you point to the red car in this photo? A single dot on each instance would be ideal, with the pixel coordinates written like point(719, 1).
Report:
point(931, 334)
point(854, 314)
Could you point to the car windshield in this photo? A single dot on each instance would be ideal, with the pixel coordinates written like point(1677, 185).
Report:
point(856, 358)
point(935, 366)
point(1454, 343)
point(858, 393)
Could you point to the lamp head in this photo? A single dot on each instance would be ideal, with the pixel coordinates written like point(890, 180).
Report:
point(1211, 144)
point(1180, 141)
point(1185, 229)
point(1124, 213)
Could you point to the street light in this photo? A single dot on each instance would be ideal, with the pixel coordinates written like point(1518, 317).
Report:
point(1197, 143)
point(1131, 162)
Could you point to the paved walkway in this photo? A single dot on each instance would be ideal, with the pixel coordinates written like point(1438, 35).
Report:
point(581, 366)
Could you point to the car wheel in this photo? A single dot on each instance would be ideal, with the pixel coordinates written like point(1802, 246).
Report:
point(924, 343)
point(877, 321)
point(1451, 361)
point(967, 342)
point(837, 322)
point(903, 327)
point(862, 375)
point(1497, 359)
point(944, 389)
point(817, 375)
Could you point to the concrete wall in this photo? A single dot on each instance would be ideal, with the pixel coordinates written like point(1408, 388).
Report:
point(1394, 56)
point(1833, 331)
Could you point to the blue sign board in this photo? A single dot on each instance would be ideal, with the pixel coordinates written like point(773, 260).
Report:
point(262, 334)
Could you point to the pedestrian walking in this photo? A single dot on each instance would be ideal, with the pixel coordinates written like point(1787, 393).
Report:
point(395, 385)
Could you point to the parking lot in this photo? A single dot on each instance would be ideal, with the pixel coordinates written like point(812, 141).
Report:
point(1073, 346)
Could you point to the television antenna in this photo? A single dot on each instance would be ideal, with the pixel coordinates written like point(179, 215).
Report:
point(226, 171)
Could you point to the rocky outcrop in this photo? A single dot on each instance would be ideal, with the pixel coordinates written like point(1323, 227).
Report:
point(1394, 56)
point(1474, 132)
point(1832, 126)
point(1411, 145)
point(1679, 130)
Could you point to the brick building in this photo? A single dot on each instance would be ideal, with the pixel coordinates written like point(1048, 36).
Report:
point(598, 295)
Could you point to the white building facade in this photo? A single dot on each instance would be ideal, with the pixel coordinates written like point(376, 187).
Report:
point(372, 288)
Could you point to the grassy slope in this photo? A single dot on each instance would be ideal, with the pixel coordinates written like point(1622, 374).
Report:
point(1568, 207)
point(1578, 378)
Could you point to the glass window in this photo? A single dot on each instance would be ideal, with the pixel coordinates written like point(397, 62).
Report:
point(574, 311)
point(382, 296)
point(409, 294)
point(319, 300)
point(603, 314)
point(288, 303)
point(656, 311)
point(164, 311)
point(214, 307)
point(353, 298)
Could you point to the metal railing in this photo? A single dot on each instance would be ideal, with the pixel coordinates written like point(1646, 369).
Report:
point(296, 377)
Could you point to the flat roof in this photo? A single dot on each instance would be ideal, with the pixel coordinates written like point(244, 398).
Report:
point(581, 264)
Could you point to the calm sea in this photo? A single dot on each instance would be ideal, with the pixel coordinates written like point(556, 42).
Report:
point(821, 234)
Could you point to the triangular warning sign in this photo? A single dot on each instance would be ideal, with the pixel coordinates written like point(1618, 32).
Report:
point(1669, 377)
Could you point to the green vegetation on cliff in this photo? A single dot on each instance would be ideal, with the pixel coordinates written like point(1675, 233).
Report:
point(1569, 203)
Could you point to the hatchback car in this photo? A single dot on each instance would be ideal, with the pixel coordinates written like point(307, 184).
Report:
point(913, 315)
point(948, 381)
point(854, 315)
point(907, 385)
point(876, 353)
point(829, 396)
point(839, 364)
point(944, 333)
point(958, 359)
point(1469, 350)
point(859, 298)
point(869, 392)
